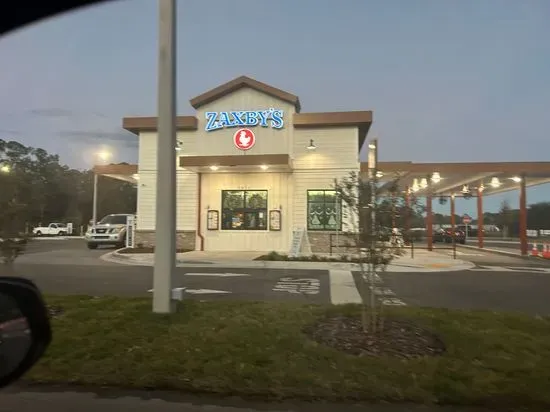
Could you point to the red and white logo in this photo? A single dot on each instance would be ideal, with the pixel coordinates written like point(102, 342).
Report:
point(244, 139)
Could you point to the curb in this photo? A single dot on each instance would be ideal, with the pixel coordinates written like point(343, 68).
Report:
point(503, 253)
point(127, 259)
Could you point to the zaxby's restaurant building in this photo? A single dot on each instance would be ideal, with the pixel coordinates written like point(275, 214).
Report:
point(251, 167)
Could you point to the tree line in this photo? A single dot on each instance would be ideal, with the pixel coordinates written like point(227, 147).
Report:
point(35, 188)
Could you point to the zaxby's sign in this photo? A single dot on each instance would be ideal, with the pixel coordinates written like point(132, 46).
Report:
point(264, 118)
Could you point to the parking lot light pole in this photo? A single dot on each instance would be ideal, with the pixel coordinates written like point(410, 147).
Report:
point(103, 157)
point(165, 224)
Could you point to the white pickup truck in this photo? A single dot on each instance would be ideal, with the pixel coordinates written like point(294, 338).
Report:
point(53, 229)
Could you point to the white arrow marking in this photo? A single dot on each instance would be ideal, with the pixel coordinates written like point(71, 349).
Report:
point(221, 275)
point(177, 293)
point(204, 291)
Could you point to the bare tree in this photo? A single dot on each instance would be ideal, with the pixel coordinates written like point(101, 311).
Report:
point(373, 244)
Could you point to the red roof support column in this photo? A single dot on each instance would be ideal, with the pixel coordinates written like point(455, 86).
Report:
point(429, 222)
point(523, 217)
point(480, 218)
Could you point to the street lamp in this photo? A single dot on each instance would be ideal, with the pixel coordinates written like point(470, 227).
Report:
point(5, 169)
point(103, 156)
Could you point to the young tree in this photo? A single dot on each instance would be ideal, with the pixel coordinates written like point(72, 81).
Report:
point(374, 244)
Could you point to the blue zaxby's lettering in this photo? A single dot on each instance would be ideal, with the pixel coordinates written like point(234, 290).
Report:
point(249, 118)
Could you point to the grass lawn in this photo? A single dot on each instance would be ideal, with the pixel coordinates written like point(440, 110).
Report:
point(258, 349)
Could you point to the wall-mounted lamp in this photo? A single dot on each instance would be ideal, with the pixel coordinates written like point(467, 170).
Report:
point(135, 176)
point(214, 168)
point(436, 177)
point(516, 179)
point(415, 186)
point(495, 182)
point(264, 167)
point(481, 188)
point(379, 175)
point(465, 189)
point(424, 183)
point(179, 146)
point(311, 145)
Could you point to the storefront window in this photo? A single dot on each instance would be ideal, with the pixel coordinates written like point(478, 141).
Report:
point(244, 209)
point(324, 211)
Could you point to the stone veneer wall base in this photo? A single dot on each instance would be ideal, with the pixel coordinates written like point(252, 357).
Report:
point(185, 239)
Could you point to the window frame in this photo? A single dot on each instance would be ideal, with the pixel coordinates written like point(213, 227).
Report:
point(244, 210)
point(338, 202)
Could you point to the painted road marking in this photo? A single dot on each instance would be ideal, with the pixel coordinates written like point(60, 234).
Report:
point(177, 293)
point(220, 275)
point(298, 285)
point(344, 290)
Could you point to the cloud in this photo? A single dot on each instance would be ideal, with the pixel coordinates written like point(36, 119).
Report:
point(52, 112)
point(123, 137)
point(10, 132)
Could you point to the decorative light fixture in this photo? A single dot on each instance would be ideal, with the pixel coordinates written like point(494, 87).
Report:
point(465, 189)
point(516, 179)
point(415, 186)
point(436, 177)
point(372, 145)
point(424, 183)
point(179, 146)
point(379, 174)
point(135, 176)
point(264, 167)
point(214, 167)
point(311, 145)
point(495, 182)
point(481, 187)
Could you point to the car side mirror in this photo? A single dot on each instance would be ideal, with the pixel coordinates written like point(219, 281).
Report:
point(25, 331)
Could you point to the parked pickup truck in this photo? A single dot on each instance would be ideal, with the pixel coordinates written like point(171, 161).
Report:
point(111, 230)
point(53, 229)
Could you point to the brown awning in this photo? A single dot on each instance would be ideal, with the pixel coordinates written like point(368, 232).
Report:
point(236, 162)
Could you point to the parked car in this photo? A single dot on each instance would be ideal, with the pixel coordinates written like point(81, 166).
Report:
point(111, 230)
point(446, 236)
point(53, 229)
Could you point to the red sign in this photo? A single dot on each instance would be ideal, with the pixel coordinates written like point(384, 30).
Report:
point(244, 139)
point(466, 219)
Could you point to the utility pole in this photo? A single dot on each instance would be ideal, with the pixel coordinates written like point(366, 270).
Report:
point(165, 225)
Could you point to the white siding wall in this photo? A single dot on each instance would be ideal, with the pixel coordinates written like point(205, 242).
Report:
point(186, 189)
point(279, 187)
point(335, 157)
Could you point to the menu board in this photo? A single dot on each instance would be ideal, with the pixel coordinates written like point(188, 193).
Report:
point(274, 220)
point(212, 220)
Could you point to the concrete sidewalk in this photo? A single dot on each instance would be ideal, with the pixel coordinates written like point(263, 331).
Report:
point(423, 261)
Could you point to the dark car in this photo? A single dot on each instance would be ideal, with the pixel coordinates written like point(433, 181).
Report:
point(446, 236)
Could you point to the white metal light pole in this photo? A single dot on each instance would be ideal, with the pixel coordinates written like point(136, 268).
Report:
point(372, 163)
point(103, 156)
point(165, 227)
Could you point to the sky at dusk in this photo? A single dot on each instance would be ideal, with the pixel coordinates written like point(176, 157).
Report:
point(447, 81)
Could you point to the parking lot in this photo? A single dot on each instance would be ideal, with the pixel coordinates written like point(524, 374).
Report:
point(62, 251)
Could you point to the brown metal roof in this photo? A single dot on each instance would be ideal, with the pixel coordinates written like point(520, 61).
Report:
point(455, 175)
point(116, 169)
point(239, 83)
point(149, 124)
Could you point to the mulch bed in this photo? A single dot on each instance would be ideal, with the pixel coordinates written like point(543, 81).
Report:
point(399, 338)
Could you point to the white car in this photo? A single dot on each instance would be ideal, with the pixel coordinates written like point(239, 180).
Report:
point(111, 230)
point(53, 229)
